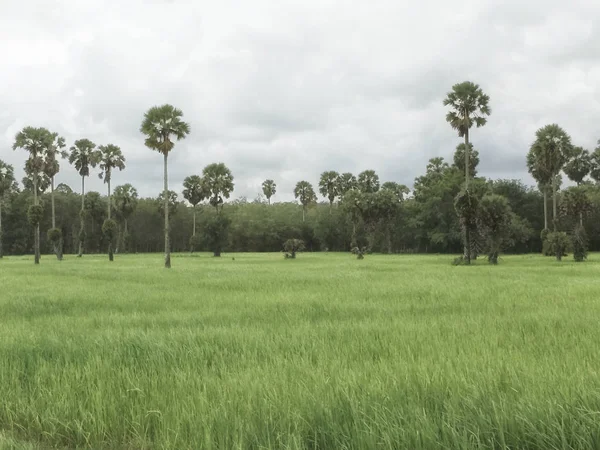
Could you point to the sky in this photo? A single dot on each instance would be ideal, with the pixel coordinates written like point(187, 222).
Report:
point(285, 90)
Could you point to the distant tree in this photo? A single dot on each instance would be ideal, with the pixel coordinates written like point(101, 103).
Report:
point(111, 158)
point(216, 231)
point(51, 169)
point(218, 182)
point(171, 202)
point(547, 157)
point(269, 188)
point(305, 193)
point(400, 190)
point(329, 186)
point(578, 165)
point(35, 141)
point(353, 203)
point(495, 219)
point(162, 124)
point(368, 182)
point(575, 203)
point(63, 188)
point(125, 201)
point(595, 164)
point(292, 246)
point(194, 191)
point(468, 106)
point(346, 181)
point(460, 158)
point(7, 183)
point(83, 156)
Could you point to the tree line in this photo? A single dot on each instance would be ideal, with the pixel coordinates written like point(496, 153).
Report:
point(450, 208)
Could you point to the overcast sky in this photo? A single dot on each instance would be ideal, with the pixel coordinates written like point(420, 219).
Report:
point(287, 89)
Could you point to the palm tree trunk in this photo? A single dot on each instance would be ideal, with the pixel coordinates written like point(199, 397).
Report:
point(125, 236)
point(194, 231)
point(303, 213)
point(57, 245)
point(554, 220)
point(467, 159)
point(166, 191)
point(36, 235)
point(108, 182)
point(81, 218)
point(330, 206)
point(545, 208)
point(269, 200)
point(110, 243)
point(467, 249)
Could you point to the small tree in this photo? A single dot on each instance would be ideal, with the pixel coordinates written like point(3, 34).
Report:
point(55, 148)
point(7, 184)
point(218, 183)
point(466, 204)
point(194, 191)
point(110, 158)
point(495, 220)
point(291, 247)
point(305, 193)
point(269, 188)
point(125, 201)
point(574, 204)
point(216, 232)
point(460, 158)
point(558, 243)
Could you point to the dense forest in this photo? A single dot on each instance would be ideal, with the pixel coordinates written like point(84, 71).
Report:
point(449, 208)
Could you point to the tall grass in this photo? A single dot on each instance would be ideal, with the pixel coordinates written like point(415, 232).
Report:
point(322, 352)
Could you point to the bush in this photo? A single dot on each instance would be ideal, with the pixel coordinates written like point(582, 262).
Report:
point(359, 252)
point(110, 229)
point(54, 235)
point(35, 214)
point(291, 246)
point(216, 233)
point(558, 243)
point(579, 240)
point(546, 250)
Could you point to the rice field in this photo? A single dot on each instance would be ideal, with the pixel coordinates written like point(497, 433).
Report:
point(251, 351)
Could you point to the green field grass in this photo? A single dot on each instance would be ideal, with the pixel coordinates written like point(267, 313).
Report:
point(322, 352)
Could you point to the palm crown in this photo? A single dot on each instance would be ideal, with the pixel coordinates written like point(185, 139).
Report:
point(469, 105)
point(110, 157)
point(7, 178)
point(269, 188)
point(305, 193)
point(329, 186)
point(194, 189)
point(218, 182)
point(83, 156)
point(162, 124)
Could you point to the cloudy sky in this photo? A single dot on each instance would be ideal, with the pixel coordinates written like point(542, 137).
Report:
point(287, 89)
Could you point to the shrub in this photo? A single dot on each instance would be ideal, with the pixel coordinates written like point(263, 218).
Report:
point(558, 243)
point(291, 246)
point(110, 229)
point(35, 214)
point(54, 235)
point(359, 252)
point(579, 240)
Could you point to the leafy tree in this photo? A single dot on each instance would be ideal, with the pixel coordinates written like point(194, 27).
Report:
point(468, 106)
point(575, 203)
point(171, 201)
point(578, 165)
point(51, 169)
point(547, 157)
point(495, 219)
point(292, 246)
point(125, 199)
point(368, 182)
point(7, 184)
point(216, 231)
point(595, 164)
point(83, 156)
point(194, 191)
point(353, 202)
point(218, 182)
point(346, 181)
point(162, 124)
point(305, 193)
point(558, 243)
point(36, 142)
point(400, 190)
point(63, 188)
point(329, 186)
point(269, 188)
point(110, 158)
point(460, 158)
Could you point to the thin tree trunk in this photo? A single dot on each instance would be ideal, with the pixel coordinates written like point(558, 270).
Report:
point(269, 200)
point(467, 159)
point(110, 243)
point(36, 236)
point(330, 206)
point(194, 231)
point(389, 240)
point(467, 252)
point(109, 208)
point(303, 213)
point(545, 208)
point(81, 217)
point(57, 245)
point(1, 249)
point(166, 191)
point(125, 237)
point(554, 203)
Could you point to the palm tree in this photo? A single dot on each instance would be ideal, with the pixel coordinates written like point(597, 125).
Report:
point(346, 181)
point(547, 157)
point(329, 186)
point(269, 188)
point(368, 182)
point(469, 106)
point(306, 194)
point(36, 142)
point(111, 158)
point(578, 167)
point(544, 180)
point(125, 198)
point(83, 156)
point(194, 191)
point(459, 159)
point(7, 183)
point(218, 183)
point(595, 164)
point(162, 124)
point(51, 169)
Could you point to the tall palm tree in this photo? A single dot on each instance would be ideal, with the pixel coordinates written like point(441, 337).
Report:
point(329, 186)
point(468, 106)
point(543, 178)
point(269, 188)
point(125, 198)
point(218, 183)
point(578, 167)
point(194, 191)
point(368, 182)
point(162, 124)
point(547, 156)
point(35, 141)
point(83, 156)
point(111, 158)
point(305, 193)
point(346, 181)
point(52, 167)
point(7, 183)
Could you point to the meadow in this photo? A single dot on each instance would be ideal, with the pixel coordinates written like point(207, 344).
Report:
point(321, 352)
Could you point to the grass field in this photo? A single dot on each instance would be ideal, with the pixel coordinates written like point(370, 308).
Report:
point(324, 352)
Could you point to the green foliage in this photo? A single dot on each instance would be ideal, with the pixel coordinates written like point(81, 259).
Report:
point(292, 246)
point(346, 181)
point(580, 243)
point(110, 229)
point(578, 164)
point(495, 220)
point(195, 190)
point(368, 182)
point(269, 189)
point(161, 125)
point(468, 107)
point(595, 164)
point(459, 159)
point(216, 233)
point(360, 252)
point(574, 201)
point(54, 235)
point(329, 185)
point(35, 214)
point(7, 179)
point(218, 183)
point(195, 243)
point(173, 203)
point(110, 158)
point(558, 243)
point(83, 156)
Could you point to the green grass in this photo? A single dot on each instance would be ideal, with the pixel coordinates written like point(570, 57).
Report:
point(323, 352)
